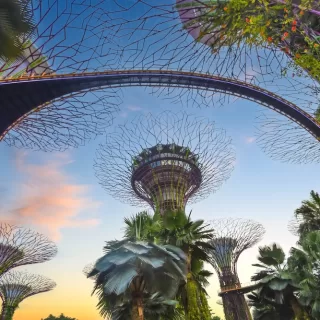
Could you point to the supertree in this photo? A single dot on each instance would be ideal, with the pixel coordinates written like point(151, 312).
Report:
point(16, 286)
point(226, 38)
point(232, 237)
point(20, 247)
point(165, 161)
point(68, 38)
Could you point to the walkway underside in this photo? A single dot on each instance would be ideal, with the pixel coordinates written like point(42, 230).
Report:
point(242, 290)
point(19, 97)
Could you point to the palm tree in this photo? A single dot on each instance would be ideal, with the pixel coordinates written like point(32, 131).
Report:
point(264, 309)
point(138, 272)
point(309, 214)
point(304, 265)
point(177, 229)
point(276, 283)
point(15, 23)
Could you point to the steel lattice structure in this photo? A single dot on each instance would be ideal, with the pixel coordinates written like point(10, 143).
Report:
point(68, 38)
point(294, 225)
point(19, 246)
point(174, 34)
point(232, 237)
point(165, 161)
point(16, 286)
point(171, 34)
point(87, 270)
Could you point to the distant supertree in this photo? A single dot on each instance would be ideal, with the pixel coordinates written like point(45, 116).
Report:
point(16, 286)
point(68, 38)
point(294, 226)
point(232, 237)
point(165, 161)
point(88, 269)
point(20, 247)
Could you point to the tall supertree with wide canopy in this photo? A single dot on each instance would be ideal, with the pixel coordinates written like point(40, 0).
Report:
point(68, 38)
point(232, 237)
point(165, 161)
point(19, 246)
point(16, 286)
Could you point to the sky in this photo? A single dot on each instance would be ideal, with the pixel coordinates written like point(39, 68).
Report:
point(58, 195)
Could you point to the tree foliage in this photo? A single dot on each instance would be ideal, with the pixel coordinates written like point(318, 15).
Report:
point(292, 26)
point(15, 23)
point(61, 317)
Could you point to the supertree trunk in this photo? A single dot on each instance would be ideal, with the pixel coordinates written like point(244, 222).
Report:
point(7, 312)
point(235, 307)
point(197, 303)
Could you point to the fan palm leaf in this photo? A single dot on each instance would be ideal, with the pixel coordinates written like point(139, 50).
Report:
point(136, 271)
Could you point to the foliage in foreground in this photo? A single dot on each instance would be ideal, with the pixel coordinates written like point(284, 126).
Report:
point(289, 288)
point(137, 278)
point(61, 317)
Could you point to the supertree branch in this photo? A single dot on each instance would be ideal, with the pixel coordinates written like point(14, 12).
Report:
point(69, 37)
point(68, 122)
point(283, 140)
point(294, 226)
point(232, 237)
point(164, 161)
point(156, 37)
point(20, 247)
point(88, 269)
point(16, 286)
point(179, 34)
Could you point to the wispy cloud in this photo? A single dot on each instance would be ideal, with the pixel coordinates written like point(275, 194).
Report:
point(134, 108)
point(250, 139)
point(48, 199)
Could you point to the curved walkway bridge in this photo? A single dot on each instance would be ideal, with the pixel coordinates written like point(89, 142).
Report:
point(244, 288)
point(20, 97)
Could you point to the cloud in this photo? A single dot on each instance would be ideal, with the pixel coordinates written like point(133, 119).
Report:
point(48, 199)
point(250, 139)
point(134, 108)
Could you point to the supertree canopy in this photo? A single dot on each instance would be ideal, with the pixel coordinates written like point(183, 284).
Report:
point(232, 237)
point(16, 286)
point(223, 37)
point(20, 247)
point(164, 161)
point(68, 38)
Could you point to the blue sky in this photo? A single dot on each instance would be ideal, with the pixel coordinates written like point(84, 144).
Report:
point(58, 194)
point(259, 189)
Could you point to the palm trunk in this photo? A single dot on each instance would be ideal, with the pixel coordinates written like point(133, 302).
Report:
point(299, 312)
point(137, 309)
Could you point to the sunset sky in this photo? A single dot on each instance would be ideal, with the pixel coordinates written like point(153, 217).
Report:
point(58, 195)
